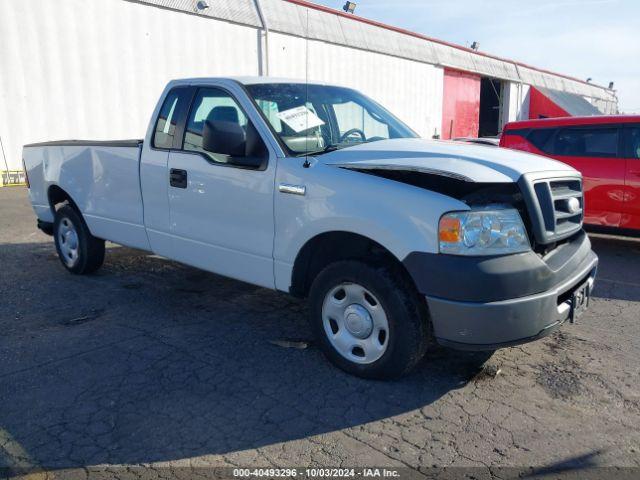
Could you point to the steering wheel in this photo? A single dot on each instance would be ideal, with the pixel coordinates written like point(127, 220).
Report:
point(348, 133)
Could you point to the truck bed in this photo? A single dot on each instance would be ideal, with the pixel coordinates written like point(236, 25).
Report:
point(101, 177)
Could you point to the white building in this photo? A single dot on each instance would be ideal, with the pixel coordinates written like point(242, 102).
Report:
point(95, 68)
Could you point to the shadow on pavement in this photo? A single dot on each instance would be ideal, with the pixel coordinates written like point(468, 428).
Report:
point(582, 466)
point(149, 361)
point(619, 269)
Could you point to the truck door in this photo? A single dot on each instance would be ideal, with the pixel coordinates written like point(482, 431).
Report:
point(631, 208)
point(593, 151)
point(221, 213)
point(166, 135)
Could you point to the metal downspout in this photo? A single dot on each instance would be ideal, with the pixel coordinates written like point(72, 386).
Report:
point(520, 92)
point(6, 164)
point(265, 27)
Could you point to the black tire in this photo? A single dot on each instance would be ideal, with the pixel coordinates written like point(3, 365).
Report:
point(88, 256)
point(406, 315)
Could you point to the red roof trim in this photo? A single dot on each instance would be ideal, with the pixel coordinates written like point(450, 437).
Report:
point(350, 16)
point(572, 121)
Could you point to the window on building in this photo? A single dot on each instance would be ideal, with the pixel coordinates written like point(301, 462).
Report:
point(587, 142)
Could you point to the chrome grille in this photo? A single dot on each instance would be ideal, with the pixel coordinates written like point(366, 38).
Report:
point(555, 205)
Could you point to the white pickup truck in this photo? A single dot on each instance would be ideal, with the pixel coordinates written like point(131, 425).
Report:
point(318, 191)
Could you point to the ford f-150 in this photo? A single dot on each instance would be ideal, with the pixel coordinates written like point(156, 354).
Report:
point(318, 191)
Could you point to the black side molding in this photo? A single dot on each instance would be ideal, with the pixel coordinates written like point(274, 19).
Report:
point(621, 232)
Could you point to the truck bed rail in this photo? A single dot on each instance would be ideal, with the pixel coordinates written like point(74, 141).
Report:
point(87, 143)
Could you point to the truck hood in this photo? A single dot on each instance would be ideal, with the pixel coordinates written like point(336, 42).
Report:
point(472, 163)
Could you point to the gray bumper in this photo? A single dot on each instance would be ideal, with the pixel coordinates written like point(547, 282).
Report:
point(484, 303)
point(491, 325)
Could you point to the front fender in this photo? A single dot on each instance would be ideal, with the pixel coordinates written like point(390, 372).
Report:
point(400, 217)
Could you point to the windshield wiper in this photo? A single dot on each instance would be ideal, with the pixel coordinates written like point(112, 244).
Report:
point(327, 149)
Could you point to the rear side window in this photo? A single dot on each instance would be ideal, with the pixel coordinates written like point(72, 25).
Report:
point(172, 108)
point(587, 142)
point(632, 143)
point(541, 138)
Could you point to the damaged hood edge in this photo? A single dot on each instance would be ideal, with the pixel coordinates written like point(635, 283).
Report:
point(401, 168)
point(471, 163)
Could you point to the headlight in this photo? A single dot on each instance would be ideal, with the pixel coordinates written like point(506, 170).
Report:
point(483, 232)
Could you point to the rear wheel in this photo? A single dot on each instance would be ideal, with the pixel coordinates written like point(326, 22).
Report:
point(78, 250)
point(368, 320)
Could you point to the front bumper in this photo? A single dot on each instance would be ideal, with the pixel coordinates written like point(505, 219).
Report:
point(496, 321)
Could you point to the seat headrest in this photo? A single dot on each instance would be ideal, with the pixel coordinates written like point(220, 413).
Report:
point(224, 114)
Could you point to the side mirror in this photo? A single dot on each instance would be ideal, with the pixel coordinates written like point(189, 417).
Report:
point(228, 138)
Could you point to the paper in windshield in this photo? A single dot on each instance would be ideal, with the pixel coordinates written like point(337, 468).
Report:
point(300, 118)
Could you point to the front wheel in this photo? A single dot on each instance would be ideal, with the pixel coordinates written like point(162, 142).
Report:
point(78, 250)
point(368, 320)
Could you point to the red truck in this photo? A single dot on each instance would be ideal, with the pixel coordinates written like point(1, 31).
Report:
point(606, 149)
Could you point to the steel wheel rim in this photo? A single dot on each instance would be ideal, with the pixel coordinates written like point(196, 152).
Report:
point(355, 323)
point(68, 242)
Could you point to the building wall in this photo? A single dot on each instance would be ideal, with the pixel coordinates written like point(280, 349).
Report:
point(515, 102)
point(77, 69)
point(607, 107)
point(411, 90)
point(461, 104)
point(305, 19)
point(100, 76)
point(541, 107)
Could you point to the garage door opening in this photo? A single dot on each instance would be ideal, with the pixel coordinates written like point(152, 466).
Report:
point(490, 107)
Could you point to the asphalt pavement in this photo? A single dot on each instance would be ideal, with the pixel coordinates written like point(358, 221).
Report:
point(153, 364)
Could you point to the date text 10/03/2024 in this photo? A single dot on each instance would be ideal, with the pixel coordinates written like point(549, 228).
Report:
point(316, 472)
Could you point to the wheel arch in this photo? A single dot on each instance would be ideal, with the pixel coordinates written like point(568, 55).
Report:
point(332, 246)
point(56, 195)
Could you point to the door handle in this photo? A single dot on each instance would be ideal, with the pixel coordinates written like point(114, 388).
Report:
point(178, 178)
point(292, 189)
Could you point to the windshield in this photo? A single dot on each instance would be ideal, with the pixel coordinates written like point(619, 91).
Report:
point(313, 119)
